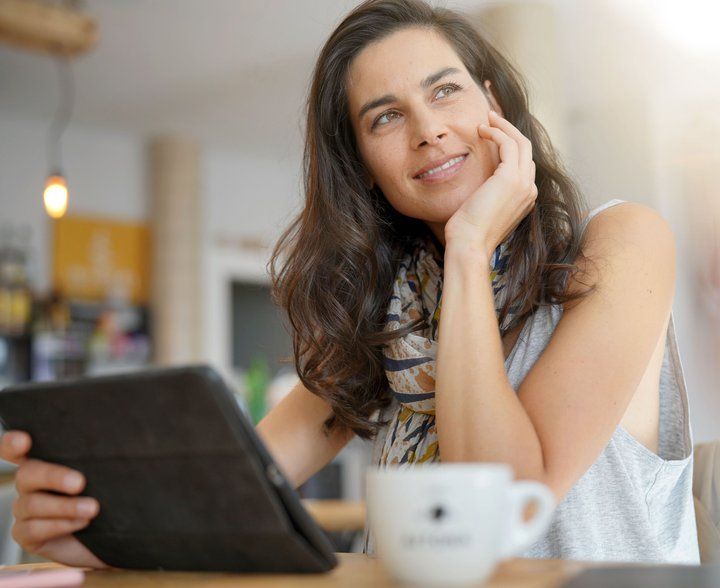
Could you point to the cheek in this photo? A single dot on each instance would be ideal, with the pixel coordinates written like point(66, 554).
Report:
point(466, 122)
point(466, 115)
point(487, 152)
point(488, 156)
point(469, 116)
point(385, 162)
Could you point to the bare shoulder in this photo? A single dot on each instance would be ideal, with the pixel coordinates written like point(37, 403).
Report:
point(628, 238)
point(581, 385)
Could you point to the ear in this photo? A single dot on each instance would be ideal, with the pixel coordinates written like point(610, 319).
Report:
point(490, 95)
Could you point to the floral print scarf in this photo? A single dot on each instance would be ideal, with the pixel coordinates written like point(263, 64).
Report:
point(410, 360)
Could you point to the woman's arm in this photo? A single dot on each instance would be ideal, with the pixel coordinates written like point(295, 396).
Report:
point(294, 435)
point(573, 398)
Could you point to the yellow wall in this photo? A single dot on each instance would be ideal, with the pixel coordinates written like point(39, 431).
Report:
point(94, 258)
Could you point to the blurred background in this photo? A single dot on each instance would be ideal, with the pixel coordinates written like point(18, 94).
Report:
point(176, 129)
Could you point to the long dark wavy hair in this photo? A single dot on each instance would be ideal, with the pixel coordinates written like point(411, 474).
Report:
point(333, 268)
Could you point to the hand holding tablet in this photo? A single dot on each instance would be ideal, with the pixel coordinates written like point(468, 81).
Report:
point(46, 510)
point(182, 480)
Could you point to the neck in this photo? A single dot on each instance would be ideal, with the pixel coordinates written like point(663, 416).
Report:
point(438, 232)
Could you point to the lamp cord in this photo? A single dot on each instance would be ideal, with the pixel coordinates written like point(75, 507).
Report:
point(63, 113)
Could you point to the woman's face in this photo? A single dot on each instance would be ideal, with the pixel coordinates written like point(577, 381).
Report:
point(414, 107)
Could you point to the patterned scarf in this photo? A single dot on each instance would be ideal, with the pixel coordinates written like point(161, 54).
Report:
point(410, 360)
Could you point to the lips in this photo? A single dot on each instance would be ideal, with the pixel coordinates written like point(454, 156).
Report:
point(433, 165)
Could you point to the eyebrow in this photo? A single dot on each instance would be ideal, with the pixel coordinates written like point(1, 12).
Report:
point(389, 98)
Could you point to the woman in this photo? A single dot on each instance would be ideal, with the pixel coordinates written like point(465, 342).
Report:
point(426, 174)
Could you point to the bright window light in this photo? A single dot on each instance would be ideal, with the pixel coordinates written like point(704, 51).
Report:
point(692, 23)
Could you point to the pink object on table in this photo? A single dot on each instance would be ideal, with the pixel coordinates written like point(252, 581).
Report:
point(41, 578)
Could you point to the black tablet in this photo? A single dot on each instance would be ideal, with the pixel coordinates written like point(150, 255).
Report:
point(183, 481)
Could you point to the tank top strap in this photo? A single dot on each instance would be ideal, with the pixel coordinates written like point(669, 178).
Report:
point(600, 208)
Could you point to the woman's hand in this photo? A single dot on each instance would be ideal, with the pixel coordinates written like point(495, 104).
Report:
point(493, 212)
point(44, 522)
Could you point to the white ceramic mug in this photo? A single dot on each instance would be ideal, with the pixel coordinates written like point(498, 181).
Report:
point(451, 523)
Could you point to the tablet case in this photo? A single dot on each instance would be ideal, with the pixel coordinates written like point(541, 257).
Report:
point(183, 481)
point(648, 576)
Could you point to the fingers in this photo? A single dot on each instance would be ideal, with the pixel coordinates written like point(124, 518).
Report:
point(14, 445)
point(504, 131)
point(33, 534)
point(508, 147)
point(42, 505)
point(67, 550)
point(524, 144)
point(33, 475)
point(534, 190)
point(40, 515)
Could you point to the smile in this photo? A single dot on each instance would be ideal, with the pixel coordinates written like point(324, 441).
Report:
point(447, 169)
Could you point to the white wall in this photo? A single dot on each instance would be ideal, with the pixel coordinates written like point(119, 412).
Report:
point(640, 113)
point(243, 196)
point(686, 160)
point(247, 199)
point(105, 171)
point(248, 196)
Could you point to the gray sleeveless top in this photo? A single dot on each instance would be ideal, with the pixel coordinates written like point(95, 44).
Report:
point(632, 504)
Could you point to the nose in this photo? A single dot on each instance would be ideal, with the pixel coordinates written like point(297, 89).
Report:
point(429, 129)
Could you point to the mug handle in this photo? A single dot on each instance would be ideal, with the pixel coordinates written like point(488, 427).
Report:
point(521, 534)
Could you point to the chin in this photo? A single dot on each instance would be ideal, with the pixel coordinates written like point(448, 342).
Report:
point(439, 217)
point(434, 209)
point(452, 202)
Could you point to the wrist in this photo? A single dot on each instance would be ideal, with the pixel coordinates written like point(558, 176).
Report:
point(467, 242)
point(467, 253)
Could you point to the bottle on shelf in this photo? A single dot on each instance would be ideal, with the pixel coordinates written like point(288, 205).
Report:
point(257, 379)
point(15, 293)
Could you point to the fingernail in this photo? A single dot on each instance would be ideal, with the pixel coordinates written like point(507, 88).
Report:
point(87, 508)
point(17, 442)
point(73, 481)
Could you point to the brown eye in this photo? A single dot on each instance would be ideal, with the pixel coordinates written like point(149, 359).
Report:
point(383, 115)
point(449, 88)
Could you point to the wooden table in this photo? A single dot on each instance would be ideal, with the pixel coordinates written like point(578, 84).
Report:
point(355, 570)
point(337, 515)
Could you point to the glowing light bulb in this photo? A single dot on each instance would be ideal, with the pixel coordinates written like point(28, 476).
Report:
point(55, 195)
